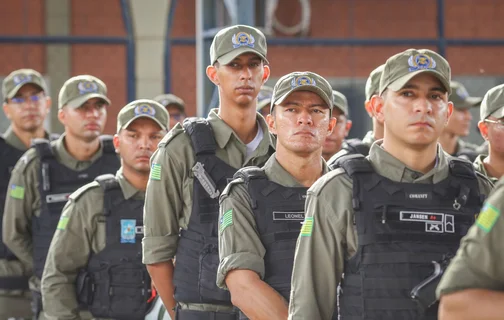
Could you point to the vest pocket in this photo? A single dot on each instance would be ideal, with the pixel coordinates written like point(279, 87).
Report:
point(208, 265)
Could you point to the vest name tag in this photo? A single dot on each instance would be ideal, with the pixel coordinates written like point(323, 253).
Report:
point(60, 197)
point(289, 215)
point(419, 196)
point(434, 222)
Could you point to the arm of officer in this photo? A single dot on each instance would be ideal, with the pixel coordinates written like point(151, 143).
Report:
point(68, 253)
point(241, 252)
point(326, 238)
point(18, 210)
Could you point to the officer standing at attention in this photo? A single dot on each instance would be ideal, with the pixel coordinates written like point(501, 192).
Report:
point(383, 219)
point(102, 224)
point(264, 100)
point(175, 107)
point(336, 140)
point(26, 105)
point(472, 285)
point(262, 209)
point(491, 127)
point(190, 169)
point(459, 124)
point(49, 172)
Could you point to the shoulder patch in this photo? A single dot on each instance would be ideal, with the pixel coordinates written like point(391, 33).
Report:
point(82, 190)
point(336, 174)
point(487, 218)
point(230, 186)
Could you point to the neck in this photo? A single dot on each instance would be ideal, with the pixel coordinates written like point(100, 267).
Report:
point(79, 149)
point(448, 142)
point(136, 179)
point(377, 130)
point(494, 164)
point(27, 136)
point(306, 169)
point(242, 120)
point(421, 160)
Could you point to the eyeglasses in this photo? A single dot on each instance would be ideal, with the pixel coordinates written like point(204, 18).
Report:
point(34, 99)
point(499, 123)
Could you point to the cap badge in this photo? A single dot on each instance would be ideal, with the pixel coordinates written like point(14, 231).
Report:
point(21, 78)
point(144, 109)
point(302, 81)
point(87, 87)
point(243, 39)
point(421, 62)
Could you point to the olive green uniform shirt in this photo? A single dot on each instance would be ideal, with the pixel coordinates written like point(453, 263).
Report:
point(478, 165)
point(19, 211)
point(368, 138)
point(168, 199)
point(480, 257)
point(320, 257)
point(82, 234)
point(240, 246)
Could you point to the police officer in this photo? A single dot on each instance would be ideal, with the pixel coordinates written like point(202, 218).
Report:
point(264, 100)
point(48, 173)
point(102, 224)
point(472, 286)
point(336, 140)
point(459, 124)
point(262, 209)
point(491, 127)
point(191, 168)
point(175, 107)
point(26, 105)
point(383, 219)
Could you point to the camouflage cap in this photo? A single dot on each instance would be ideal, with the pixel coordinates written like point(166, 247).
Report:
point(143, 108)
point(402, 67)
point(264, 97)
point(302, 81)
point(340, 102)
point(493, 103)
point(77, 90)
point(233, 41)
point(171, 99)
point(460, 97)
point(16, 79)
point(373, 82)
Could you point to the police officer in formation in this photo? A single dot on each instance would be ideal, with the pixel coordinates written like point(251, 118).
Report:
point(95, 256)
point(191, 167)
point(26, 105)
point(336, 140)
point(382, 220)
point(49, 172)
point(175, 107)
point(262, 209)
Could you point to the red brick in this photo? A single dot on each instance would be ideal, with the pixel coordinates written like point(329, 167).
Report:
point(97, 17)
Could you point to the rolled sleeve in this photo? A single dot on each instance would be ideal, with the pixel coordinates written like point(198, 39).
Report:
point(244, 261)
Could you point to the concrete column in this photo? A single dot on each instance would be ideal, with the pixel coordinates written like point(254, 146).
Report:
point(58, 56)
point(149, 24)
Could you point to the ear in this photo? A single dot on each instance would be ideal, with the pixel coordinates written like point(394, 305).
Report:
point(62, 116)
point(449, 110)
point(48, 105)
point(377, 104)
point(483, 128)
point(332, 125)
point(116, 142)
point(266, 74)
point(211, 72)
point(271, 123)
point(369, 108)
point(348, 126)
point(6, 111)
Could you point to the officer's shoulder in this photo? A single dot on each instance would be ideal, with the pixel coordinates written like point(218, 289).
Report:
point(26, 160)
point(470, 167)
point(87, 191)
point(175, 138)
point(331, 181)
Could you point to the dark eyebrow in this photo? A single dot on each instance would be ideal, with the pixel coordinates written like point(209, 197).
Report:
point(289, 102)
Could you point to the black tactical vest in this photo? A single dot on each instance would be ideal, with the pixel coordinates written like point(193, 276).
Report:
point(115, 283)
point(467, 154)
point(197, 252)
point(351, 146)
point(56, 183)
point(9, 155)
point(401, 229)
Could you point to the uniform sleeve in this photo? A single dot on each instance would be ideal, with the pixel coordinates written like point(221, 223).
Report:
point(322, 247)
point(239, 244)
point(167, 197)
point(68, 253)
point(19, 207)
point(485, 185)
point(479, 260)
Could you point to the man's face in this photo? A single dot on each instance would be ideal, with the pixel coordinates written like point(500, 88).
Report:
point(301, 123)
point(494, 133)
point(28, 108)
point(137, 142)
point(176, 116)
point(459, 123)
point(416, 115)
point(333, 142)
point(240, 81)
point(87, 121)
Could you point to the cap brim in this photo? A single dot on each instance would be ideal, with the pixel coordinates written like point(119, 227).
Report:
point(344, 111)
point(499, 113)
point(310, 88)
point(14, 90)
point(126, 125)
point(76, 103)
point(469, 102)
point(228, 57)
point(402, 81)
